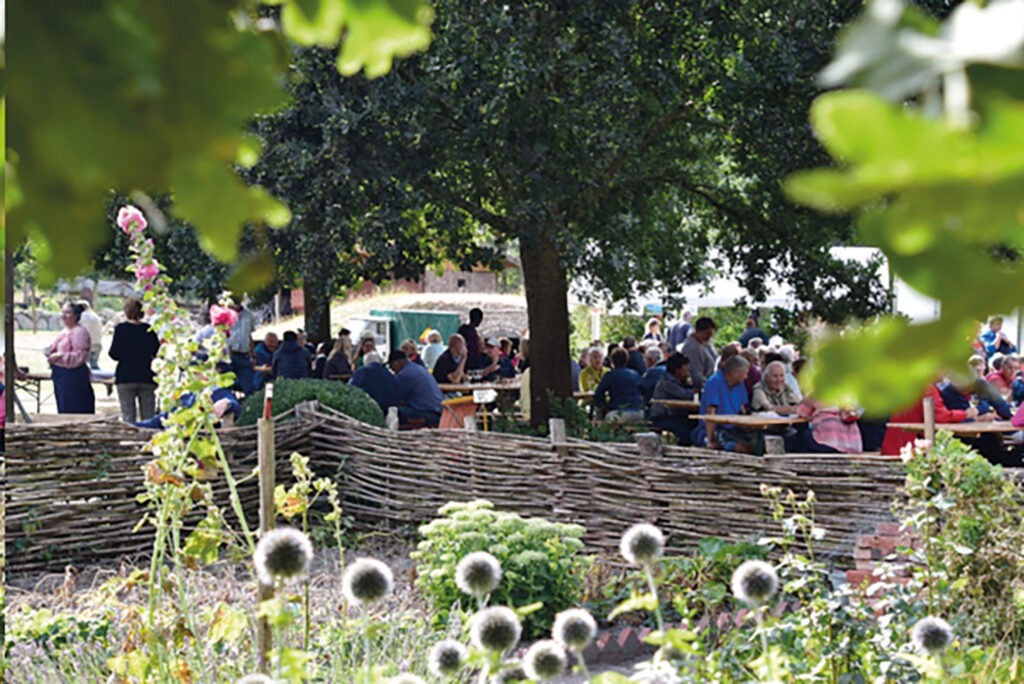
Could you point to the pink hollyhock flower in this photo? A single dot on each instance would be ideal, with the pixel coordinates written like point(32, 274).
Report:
point(222, 315)
point(147, 272)
point(131, 219)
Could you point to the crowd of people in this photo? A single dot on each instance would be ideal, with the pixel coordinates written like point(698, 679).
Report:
point(630, 380)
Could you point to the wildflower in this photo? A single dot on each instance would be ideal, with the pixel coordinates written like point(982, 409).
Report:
point(512, 672)
point(495, 629)
point(255, 679)
point(131, 219)
point(223, 315)
point(642, 544)
point(147, 272)
point(931, 635)
point(478, 574)
point(574, 629)
point(366, 581)
point(446, 657)
point(282, 553)
point(755, 582)
point(406, 678)
point(545, 660)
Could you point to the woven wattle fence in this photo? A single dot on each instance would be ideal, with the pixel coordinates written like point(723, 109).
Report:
point(71, 488)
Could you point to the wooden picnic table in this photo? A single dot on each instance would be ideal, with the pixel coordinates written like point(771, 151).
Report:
point(583, 395)
point(466, 388)
point(687, 404)
point(995, 426)
point(753, 421)
point(32, 383)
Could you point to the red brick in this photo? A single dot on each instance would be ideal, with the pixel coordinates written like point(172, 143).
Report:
point(857, 577)
point(866, 565)
point(741, 615)
point(888, 528)
point(860, 553)
point(867, 541)
point(629, 643)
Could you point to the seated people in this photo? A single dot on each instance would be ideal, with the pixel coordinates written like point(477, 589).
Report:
point(377, 381)
point(1004, 373)
point(450, 366)
point(725, 394)
point(412, 352)
point(990, 403)
point(498, 368)
point(418, 395)
point(994, 339)
point(225, 407)
point(619, 391)
point(674, 383)
point(895, 439)
point(754, 375)
point(788, 353)
point(772, 393)
point(291, 360)
point(655, 369)
point(433, 350)
point(590, 377)
point(831, 430)
point(319, 362)
point(263, 357)
point(636, 357)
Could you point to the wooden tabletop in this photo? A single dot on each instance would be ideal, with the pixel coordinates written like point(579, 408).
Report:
point(960, 428)
point(582, 395)
point(470, 387)
point(691, 404)
point(105, 380)
point(753, 421)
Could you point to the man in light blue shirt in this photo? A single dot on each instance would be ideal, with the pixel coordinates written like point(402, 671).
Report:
point(418, 393)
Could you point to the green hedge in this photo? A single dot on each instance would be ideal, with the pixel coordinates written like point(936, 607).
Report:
point(351, 401)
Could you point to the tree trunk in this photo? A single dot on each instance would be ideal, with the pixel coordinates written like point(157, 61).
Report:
point(10, 361)
point(547, 292)
point(318, 311)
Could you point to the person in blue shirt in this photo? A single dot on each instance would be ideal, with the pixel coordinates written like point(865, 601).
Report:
point(263, 357)
point(225, 405)
point(995, 340)
point(291, 360)
point(497, 367)
point(619, 391)
point(655, 369)
point(418, 394)
point(725, 393)
point(680, 330)
point(377, 381)
point(636, 358)
point(751, 332)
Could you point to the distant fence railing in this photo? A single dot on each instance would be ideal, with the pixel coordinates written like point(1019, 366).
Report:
point(71, 488)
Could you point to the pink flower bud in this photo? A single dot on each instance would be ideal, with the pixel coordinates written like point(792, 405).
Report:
point(147, 272)
point(131, 219)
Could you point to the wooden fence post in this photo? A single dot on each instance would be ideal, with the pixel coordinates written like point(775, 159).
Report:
point(265, 453)
point(556, 430)
point(929, 419)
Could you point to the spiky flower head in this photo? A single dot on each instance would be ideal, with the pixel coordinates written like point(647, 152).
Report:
point(282, 553)
point(407, 678)
point(512, 672)
point(755, 582)
point(495, 629)
point(642, 544)
point(574, 629)
point(545, 660)
point(446, 658)
point(366, 581)
point(255, 679)
point(478, 574)
point(931, 635)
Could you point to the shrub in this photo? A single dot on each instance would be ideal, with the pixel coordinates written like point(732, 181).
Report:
point(540, 561)
point(351, 401)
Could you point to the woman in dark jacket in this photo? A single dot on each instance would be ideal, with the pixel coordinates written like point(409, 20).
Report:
point(291, 360)
point(134, 347)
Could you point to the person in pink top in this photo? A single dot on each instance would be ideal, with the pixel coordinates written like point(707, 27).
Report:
point(69, 368)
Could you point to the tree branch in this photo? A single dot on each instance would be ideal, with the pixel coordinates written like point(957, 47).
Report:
point(500, 223)
point(660, 127)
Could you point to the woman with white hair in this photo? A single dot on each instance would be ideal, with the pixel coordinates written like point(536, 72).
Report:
point(788, 353)
point(433, 350)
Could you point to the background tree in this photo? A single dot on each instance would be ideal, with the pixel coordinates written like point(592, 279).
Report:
point(625, 142)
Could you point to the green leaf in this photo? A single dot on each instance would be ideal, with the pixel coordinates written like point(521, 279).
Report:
point(646, 602)
point(379, 30)
point(313, 22)
point(228, 625)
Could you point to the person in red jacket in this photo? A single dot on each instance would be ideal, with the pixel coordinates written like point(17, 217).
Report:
point(895, 439)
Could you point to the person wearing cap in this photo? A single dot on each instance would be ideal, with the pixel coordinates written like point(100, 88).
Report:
point(500, 368)
point(374, 379)
point(418, 395)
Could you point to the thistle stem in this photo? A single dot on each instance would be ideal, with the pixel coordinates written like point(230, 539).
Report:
point(657, 603)
point(764, 644)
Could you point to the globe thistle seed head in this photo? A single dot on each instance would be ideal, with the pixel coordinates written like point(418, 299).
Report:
point(755, 582)
point(283, 553)
point(255, 679)
point(446, 658)
point(931, 635)
point(642, 544)
point(545, 660)
point(574, 629)
point(366, 581)
point(495, 629)
point(407, 678)
point(478, 574)
point(511, 672)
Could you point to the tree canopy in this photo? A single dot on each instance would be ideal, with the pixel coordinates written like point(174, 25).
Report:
point(624, 141)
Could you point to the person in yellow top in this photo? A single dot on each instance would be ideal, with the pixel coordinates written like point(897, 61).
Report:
point(590, 377)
